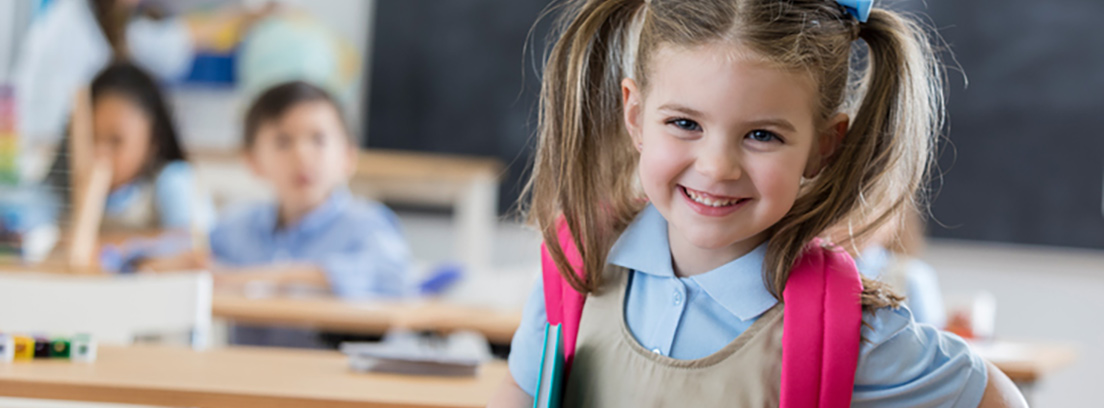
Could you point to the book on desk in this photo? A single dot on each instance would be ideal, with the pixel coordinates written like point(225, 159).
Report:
point(403, 352)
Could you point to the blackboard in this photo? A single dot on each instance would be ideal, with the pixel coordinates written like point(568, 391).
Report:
point(451, 77)
point(1025, 158)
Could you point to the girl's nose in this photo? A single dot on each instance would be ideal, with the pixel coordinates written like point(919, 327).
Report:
point(718, 162)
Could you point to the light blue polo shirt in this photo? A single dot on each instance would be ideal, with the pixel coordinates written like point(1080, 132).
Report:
point(901, 363)
point(357, 243)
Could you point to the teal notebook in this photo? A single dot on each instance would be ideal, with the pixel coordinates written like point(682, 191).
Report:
point(550, 382)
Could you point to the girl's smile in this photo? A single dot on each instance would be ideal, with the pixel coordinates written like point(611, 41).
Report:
point(712, 205)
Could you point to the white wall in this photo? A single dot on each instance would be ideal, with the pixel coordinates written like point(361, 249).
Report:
point(1043, 294)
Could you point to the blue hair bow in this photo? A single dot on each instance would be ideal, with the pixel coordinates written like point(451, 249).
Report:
point(858, 8)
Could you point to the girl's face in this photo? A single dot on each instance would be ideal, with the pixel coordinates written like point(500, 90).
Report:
point(305, 154)
point(122, 132)
point(724, 142)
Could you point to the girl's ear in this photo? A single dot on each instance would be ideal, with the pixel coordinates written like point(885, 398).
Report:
point(630, 98)
point(826, 144)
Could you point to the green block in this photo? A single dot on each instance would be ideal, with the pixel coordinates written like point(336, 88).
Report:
point(59, 348)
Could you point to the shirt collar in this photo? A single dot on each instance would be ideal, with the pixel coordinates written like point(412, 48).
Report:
point(317, 218)
point(643, 247)
point(737, 286)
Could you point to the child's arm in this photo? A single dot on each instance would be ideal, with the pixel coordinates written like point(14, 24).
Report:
point(903, 363)
point(376, 262)
point(1000, 392)
point(509, 394)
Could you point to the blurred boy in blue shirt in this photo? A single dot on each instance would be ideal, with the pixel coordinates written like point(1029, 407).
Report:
point(316, 232)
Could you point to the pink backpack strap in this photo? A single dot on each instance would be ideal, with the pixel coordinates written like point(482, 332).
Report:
point(823, 308)
point(562, 303)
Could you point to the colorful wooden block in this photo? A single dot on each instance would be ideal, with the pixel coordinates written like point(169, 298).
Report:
point(59, 348)
point(24, 348)
point(82, 348)
point(7, 348)
point(41, 347)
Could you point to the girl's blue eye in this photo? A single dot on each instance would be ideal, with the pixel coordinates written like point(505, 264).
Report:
point(763, 136)
point(686, 124)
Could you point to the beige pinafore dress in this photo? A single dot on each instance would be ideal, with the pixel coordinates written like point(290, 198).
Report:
point(611, 369)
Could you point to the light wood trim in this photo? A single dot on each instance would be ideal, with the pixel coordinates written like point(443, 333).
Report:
point(402, 165)
point(239, 377)
point(386, 164)
point(328, 313)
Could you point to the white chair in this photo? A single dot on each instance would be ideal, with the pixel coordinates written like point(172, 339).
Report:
point(114, 310)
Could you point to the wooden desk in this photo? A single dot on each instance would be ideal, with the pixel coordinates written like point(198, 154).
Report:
point(329, 313)
point(1023, 362)
point(239, 377)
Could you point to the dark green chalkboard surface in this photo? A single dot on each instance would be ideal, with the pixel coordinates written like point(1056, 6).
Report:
point(450, 76)
point(1026, 161)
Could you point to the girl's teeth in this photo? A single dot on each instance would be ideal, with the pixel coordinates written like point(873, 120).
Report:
point(707, 201)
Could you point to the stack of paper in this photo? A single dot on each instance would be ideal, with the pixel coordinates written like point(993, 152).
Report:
point(459, 354)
